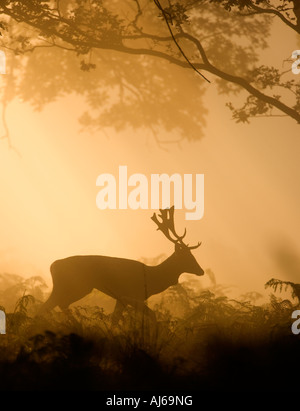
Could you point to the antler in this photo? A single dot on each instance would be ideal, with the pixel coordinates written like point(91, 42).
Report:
point(166, 225)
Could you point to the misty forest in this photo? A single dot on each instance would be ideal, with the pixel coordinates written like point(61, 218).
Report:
point(147, 66)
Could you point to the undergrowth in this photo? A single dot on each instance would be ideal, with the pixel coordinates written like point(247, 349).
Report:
point(218, 344)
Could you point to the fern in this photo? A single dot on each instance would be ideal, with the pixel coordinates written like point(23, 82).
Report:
point(23, 302)
point(284, 285)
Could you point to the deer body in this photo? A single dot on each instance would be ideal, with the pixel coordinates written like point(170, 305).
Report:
point(120, 278)
point(127, 281)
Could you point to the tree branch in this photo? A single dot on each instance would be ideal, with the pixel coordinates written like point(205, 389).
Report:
point(176, 42)
point(261, 10)
point(82, 40)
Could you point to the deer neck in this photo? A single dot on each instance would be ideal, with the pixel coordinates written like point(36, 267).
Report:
point(163, 275)
point(170, 265)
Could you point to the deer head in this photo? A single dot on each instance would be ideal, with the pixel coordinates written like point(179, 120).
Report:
point(183, 251)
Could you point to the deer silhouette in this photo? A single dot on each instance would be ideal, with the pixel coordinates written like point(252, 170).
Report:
point(130, 282)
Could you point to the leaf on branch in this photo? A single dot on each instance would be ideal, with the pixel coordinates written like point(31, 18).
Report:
point(176, 12)
point(252, 108)
point(265, 76)
point(87, 66)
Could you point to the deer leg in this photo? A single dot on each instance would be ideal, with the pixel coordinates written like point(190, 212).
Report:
point(48, 305)
point(147, 311)
point(63, 299)
point(116, 315)
point(141, 306)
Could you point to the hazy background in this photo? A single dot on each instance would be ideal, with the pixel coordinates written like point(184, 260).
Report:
point(251, 225)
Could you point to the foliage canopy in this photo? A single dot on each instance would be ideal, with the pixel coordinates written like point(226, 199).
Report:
point(137, 62)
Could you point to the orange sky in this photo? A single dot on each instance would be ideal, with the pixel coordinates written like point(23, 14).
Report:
point(252, 191)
